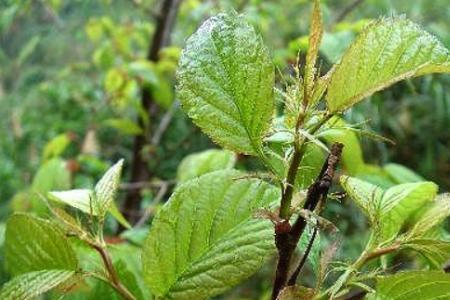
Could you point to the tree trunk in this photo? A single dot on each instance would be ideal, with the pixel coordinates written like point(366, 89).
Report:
point(139, 170)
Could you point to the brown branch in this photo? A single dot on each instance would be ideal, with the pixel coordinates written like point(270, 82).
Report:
point(113, 277)
point(287, 237)
point(139, 171)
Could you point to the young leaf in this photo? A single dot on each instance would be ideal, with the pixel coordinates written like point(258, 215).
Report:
point(105, 190)
point(34, 244)
point(401, 174)
point(433, 216)
point(423, 285)
point(225, 82)
point(400, 202)
point(197, 164)
point(30, 285)
point(81, 199)
point(435, 251)
point(366, 195)
point(205, 240)
point(53, 174)
point(115, 212)
point(315, 36)
point(310, 165)
point(352, 157)
point(56, 146)
point(386, 52)
point(389, 210)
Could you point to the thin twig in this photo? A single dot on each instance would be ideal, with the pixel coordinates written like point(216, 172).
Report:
point(114, 279)
point(149, 211)
point(164, 124)
point(302, 262)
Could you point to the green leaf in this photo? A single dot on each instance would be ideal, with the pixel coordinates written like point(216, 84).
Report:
point(314, 255)
point(144, 70)
point(205, 240)
point(81, 199)
point(310, 165)
point(401, 174)
point(435, 214)
point(56, 146)
point(115, 212)
point(423, 285)
point(437, 252)
point(51, 175)
point(125, 126)
point(388, 210)
point(106, 188)
point(114, 80)
point(28, 49)
point(34, 244)
point(387, 51)
point(366, 195)
point(225, 82)
point(128, 279)
point(315, 37)
point(30, 285)
point(204, 162)
point(336, 131)
point(84, 200)
point(400, 202)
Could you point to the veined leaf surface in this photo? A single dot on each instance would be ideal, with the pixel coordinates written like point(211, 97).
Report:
point(225, 82)
point(30, 285)
point(34, 244)
point(205, 239)
point(197, 164)
point(389, 209)
point(424, 285)
point(387, 51)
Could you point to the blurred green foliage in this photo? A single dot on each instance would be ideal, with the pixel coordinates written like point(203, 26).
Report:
point(71, 74)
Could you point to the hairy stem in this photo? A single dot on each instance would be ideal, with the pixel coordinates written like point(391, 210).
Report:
point(113, 277)
point(287, 237)
point(364, 258)
point(286, 197)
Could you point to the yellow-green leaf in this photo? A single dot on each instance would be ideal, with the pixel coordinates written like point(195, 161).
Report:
point(34, 244)
point(30, 285)
point(423, 285)
point(197, 164)
point(387, 51)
